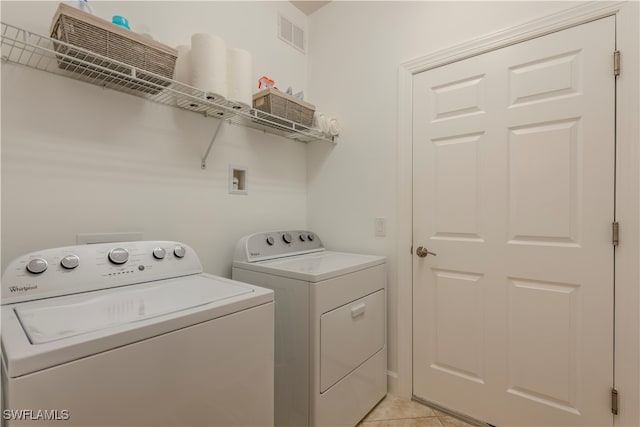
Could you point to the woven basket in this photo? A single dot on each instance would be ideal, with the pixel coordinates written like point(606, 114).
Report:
point(94, 34)
point(282, 105)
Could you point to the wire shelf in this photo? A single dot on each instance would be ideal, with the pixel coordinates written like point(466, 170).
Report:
point(23, 47)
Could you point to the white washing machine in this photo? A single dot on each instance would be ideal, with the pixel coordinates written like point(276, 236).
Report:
point(331, 352)
point(133, 334)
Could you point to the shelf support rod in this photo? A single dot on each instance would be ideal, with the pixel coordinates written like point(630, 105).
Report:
point(213, 139)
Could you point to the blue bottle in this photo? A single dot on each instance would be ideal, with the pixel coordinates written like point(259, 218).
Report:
point(120, 20)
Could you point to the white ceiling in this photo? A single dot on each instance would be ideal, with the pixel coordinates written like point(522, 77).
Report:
point(308, 7)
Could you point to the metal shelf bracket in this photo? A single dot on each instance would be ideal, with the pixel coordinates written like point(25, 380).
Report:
point(203, 165)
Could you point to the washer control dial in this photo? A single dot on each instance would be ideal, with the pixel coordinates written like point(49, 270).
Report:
point(179, 251)
point(37, 265)
point(286, 237)
point(302, 237)
point(310, 237)
point(70, 262)
point(118, 255)
point(270, 241)
point(159, 253)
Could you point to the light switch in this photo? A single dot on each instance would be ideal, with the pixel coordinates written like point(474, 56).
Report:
point(381, 227)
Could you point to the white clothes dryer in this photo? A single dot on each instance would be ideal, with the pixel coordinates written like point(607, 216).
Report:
point(133, 333)
point(330, 308)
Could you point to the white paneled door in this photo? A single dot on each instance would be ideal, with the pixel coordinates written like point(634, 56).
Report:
point(513, 189)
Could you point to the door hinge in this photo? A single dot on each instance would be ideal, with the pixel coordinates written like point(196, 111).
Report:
point(615, 233)
point(614, 401)
point(616, 63)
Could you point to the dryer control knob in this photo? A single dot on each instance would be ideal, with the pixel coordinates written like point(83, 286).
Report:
point(179, 251)
point(70, 262)
point(118, 255)
point(310, 237)
point(302, 237)
point(159, 253)
point(270, 241)
point(37, 266)
point(286, 237)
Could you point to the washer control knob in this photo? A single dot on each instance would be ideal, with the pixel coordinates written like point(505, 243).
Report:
point(270, 241)
point(310, 237)
point(118, 255)
point(302, 237)
point(37, 266)
point(70, 262)
point(159, 253)
point(286, 237)
point(179, 251)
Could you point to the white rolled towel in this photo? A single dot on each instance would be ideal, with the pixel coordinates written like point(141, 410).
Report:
point(334, 127)
point(239, 76)
point(182, 70)
point(209, 63)
point(321, 122)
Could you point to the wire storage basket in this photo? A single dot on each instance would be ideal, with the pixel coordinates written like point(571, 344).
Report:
point(90, 33)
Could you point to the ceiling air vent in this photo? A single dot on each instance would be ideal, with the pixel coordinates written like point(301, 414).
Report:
point(290, 33)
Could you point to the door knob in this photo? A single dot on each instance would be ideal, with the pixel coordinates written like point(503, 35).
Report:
point(423, 252)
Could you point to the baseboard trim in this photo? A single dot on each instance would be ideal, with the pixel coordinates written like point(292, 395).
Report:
point(392, 384)
point(466, 418)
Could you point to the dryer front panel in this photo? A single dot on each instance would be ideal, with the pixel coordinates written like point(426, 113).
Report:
point(349, 336)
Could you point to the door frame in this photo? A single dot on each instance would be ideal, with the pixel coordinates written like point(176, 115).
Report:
point(627, 254)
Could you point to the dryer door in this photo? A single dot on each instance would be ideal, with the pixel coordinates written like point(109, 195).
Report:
point(349, 336)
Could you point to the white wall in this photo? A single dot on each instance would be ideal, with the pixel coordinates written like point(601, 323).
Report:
point(77, 158)
point(354, 55)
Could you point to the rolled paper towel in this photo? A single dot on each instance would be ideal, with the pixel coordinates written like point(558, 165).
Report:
point(182, 71)
point(209, 63)
point(334, 127)
point(239, 76)
point(321, 122)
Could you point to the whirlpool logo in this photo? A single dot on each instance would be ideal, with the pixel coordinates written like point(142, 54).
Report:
point(19, 289)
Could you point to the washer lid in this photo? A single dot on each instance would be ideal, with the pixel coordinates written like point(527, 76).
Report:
point(314, 267)
point(59, 318)
point(46, 333)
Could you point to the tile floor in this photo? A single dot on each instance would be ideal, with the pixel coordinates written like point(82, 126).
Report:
point(393, 411)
